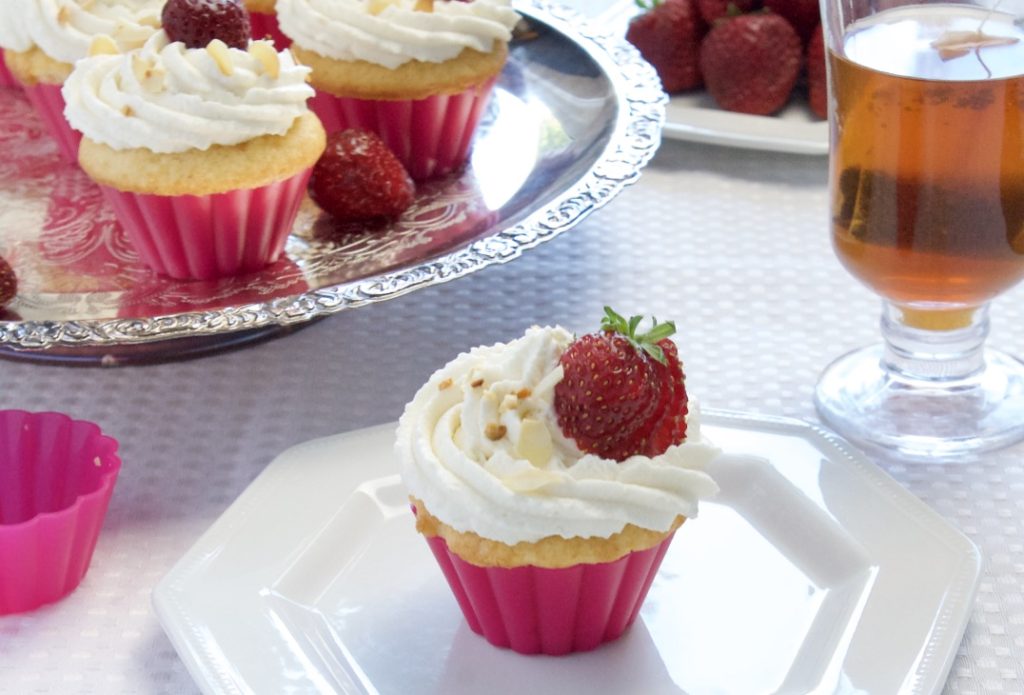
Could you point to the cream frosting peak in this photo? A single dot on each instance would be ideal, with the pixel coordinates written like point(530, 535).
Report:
point(479, 443)
point(393, 32)
point(64, 29)
point(169, 98)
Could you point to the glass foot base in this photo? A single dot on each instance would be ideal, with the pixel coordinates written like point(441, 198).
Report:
point(936, 420)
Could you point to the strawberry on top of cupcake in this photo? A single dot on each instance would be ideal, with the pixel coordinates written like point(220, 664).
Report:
point(551, 435)
point(549, 475)
point(201, 140)
point(197, 84)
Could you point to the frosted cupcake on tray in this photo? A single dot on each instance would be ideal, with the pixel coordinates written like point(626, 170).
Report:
point(417, 72)
point(202, 145)
point(42, 39)
point(549, 475)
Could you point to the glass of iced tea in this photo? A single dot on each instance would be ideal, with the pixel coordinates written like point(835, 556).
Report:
point(927, 201)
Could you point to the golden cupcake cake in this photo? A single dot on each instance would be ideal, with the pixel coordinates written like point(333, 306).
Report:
point(417, 72)
point(549, 475)
point(203, 146)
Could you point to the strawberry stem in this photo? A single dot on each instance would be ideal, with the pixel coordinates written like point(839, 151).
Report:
point(648, 342)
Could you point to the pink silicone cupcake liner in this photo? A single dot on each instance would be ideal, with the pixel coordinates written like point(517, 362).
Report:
point(6, 78)
point(265, 25)
point(56, 478)
point(431, 136)
point(49, 104)
point(534, 610)
point(210, 236)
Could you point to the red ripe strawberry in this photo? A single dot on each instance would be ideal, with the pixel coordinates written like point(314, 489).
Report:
point(750, 62)
point(712, 10)
point(8, 283)
point(817, 82)
point(198, 22)
point(359, 178)
point(668, 37)
point(803, 15)
point(670, 425)
point(622, 394)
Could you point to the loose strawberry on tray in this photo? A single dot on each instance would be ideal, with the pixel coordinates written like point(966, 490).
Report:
point(623, 392)
point(358, 178)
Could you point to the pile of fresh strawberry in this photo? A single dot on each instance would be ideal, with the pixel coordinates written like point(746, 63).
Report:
point(622, 392)
point(748, 54)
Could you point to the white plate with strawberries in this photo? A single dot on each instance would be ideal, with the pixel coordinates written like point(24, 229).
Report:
point(693, 114)
point(794, 129)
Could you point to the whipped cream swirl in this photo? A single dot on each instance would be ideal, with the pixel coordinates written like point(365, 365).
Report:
point(169, 98)
point(480, 445)
point(64, 29)
point(397, 33)
point(14, 34)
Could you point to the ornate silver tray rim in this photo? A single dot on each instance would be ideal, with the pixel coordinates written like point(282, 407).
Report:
point(635, 138)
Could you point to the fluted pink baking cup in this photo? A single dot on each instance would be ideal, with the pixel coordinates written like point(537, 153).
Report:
point(535, 610)
point(210, 236)
point(264, 25)
point(431, 137)
point(6, 78)
point(49, 104)
point(56, 478)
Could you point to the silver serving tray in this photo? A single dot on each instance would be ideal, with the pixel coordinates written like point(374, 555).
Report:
point(575, 115)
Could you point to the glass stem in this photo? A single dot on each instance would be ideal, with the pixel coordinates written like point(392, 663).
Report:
point(934, 346)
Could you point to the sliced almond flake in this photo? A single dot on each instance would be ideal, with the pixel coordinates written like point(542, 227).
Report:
point(375, 7)
point(264, 52)
point(221, 55)
point(956, 44)
point(102, 45)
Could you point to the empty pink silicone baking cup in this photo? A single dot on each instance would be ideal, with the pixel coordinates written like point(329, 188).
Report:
point(431, 136)
point(56, 478)
point(535, 610)
point(210, 236)
point(49, 104)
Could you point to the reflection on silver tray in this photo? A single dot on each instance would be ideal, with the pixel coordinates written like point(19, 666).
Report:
point(574, 117)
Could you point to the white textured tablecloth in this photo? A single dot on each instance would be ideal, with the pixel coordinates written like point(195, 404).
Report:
point(732, 244)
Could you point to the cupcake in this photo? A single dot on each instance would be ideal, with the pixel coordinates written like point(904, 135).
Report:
point(44, 38)
point(263, 18)
point(204, 153)
point(417, 72)
point(549, 491)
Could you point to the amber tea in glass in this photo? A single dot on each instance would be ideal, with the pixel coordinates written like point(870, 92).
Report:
point(927, 210)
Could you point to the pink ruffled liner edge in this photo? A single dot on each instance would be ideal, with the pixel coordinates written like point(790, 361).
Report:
point(211, 236)
point(432, 137)
point(6, 78)
point(535, 610)
point(49, 104)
